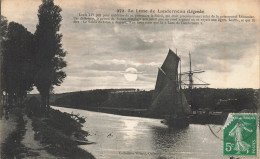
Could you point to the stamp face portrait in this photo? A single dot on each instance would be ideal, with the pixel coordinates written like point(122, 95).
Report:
point(240, 135)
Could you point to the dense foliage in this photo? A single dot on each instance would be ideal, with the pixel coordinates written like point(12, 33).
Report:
point(49, 53)
point(203, 98)
point(55, 132)
point(32, 59)
point(210, 98)
point(18, 52)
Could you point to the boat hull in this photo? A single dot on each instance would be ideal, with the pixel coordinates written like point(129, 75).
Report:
point(177, 122)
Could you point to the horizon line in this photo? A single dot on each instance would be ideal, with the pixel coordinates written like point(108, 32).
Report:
point(136, 89)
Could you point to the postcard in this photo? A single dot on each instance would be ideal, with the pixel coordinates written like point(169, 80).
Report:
point(112, 79)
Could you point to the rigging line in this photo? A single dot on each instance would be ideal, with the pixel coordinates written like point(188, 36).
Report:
point(184, 77)
point(200, 79)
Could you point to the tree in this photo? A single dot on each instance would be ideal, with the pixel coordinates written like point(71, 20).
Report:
point(49, 53)
point(3, 27)
point(17, 62)
point(3, 32)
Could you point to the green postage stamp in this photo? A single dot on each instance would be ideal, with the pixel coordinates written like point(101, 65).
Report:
point(240, 134)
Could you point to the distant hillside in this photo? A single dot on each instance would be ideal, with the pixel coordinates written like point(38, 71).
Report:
point(210, 98)
point(131, 98)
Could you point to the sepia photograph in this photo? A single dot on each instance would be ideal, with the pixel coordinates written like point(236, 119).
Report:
point(127, 79)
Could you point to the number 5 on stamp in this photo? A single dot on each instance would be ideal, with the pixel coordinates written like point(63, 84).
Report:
point(240, 135)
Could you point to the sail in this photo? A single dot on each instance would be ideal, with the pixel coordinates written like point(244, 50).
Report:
point(170, 65)
point(168, 99)
point(168, 72)
point(163, 102)
point(185, 106)
point(160, 82)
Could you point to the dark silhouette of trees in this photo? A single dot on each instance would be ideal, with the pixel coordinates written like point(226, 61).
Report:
point(49, 53)
point(17, 62)
point(33, 59)
point(204, 98)
point(3, 27)
point(3, 32)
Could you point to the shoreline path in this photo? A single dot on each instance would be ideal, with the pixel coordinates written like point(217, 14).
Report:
point(8, 126)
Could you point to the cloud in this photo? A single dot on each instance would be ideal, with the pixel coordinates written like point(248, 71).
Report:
point(136, 43)
point(98, 53)
point(213, 46)
point(122, 65)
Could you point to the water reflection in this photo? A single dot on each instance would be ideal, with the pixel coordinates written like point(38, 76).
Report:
point(129, 129)
point(125, 137)
point(165, 138)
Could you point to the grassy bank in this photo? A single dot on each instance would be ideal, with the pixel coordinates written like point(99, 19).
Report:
point(58, 133)
point(12, 147)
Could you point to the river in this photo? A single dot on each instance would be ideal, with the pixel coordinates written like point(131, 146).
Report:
point(117, 136)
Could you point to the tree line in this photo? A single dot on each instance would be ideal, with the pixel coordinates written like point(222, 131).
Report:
point(202, 98)
point(32, 59)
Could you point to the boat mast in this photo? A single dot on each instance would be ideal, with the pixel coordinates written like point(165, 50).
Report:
point(181, 88)
point(190, 81)
point(177, 73)
point(180, 75)
point(177, 87)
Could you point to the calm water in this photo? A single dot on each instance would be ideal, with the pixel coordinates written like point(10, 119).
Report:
point(125, 137)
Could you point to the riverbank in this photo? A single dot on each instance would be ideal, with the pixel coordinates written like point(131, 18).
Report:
point(11, 146)
point(56, 136)
point(201, 117)
point(112, 110)
point(7, 126)
point(60, 134)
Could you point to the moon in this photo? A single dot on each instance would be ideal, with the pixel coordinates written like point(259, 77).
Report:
point(130, 74)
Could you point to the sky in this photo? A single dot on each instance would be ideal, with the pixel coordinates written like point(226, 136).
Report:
point(98, 55)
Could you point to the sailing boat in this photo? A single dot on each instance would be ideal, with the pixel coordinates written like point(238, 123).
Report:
point(169, 100)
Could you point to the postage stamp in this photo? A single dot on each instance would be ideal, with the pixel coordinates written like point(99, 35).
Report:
point(240, 134)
